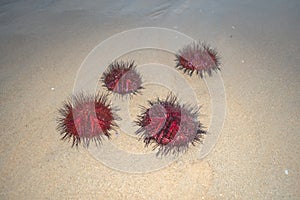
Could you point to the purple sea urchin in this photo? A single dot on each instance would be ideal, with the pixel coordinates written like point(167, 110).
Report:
point(86, 118)
point(198, 57)
point(122, 78)
point(169, 125)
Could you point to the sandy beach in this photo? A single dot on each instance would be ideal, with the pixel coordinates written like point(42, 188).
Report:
point(43, 45)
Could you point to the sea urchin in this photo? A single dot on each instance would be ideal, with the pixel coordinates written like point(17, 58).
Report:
point(122, 78)
point(170, 125)
point(198, 57)
point(86, 118)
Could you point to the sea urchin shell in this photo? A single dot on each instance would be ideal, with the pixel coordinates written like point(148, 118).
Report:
point(198, 57)
point(169, 125)
point(86, 118)
point(122, 78)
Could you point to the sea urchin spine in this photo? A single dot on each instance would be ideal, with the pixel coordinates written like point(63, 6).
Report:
point(170, 125)
point(86, 118)
point(198, 57)
point(122, 78)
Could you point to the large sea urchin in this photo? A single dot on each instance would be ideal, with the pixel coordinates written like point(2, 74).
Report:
point(122, 78)
point(86, 118)
point(198, 57)
point(170, 125)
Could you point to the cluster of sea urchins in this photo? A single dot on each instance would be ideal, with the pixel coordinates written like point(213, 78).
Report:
point(86, 118)
point(199, 58)
point(169, 125)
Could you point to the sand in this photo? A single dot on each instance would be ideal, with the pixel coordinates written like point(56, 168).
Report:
point(43, 44)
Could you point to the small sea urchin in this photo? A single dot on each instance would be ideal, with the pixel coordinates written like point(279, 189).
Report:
point(86, 118)
point(170, 125)
point(198, 57)
point(122, 78)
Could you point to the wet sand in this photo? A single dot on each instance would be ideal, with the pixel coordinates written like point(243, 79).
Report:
point(257, 154)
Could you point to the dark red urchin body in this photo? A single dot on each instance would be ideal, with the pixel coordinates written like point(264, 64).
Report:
point(122, 78)
point(198, 57)
point(169, 125)
point(86, 118)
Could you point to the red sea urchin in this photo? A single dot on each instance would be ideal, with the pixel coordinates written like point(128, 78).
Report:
point(169, 125)
point(122, 78)
point(198, 57)
point(86, 118)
